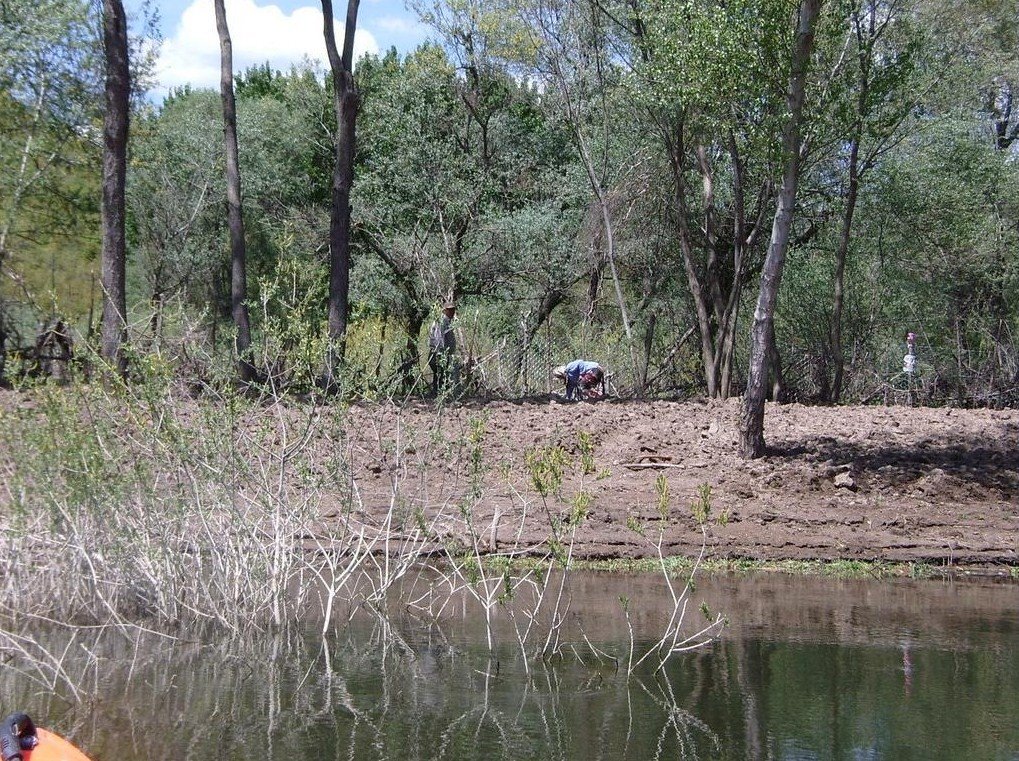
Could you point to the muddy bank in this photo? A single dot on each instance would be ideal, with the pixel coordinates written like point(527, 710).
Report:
point(896, 484)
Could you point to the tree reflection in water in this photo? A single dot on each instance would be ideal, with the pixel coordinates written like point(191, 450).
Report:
point(816, 672)
point(371, 690)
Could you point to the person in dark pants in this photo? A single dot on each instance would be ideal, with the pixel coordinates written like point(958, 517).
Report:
point(583, 378)
point(442, 348)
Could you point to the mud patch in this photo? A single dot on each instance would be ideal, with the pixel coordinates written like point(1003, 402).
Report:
point(935, 486)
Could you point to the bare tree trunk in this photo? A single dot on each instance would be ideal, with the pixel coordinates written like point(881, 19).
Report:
point(235, 217)
point(865, 42)
point(744, 239)
point(156, 318)
point(382, 345)
point(674, 143)
point(28, 172)
point(649, 339)
point(838, 297)
point(3, 340)
point(549, 301)
point(411, 351)
point(33, 164)
point(607, 225)
point(115, 130)
point(752, 414)
point(345, 103)
point(562, 67)
point(593, 284)
point(715, 305)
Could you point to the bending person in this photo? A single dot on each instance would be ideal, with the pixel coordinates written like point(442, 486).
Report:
point(582, 377)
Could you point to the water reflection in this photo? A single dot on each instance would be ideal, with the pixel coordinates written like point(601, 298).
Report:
point(810, 669)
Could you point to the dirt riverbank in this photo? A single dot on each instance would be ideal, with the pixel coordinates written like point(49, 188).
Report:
point(933, 486)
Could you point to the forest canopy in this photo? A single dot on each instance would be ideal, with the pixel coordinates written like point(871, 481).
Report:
point(583, 178)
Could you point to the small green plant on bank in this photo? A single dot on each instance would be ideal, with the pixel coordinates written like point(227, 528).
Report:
point(701, 506)
point(585, 442)
point(634, 524)
point(664, 495)
point(580, 507)
point(472, 444)
point(547, 466)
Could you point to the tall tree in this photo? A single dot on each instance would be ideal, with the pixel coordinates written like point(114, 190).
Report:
point(50, 83)
point(883, 94)
point(174, 199)
point(235, 217)
point(762, 330)
point(573, 57)
point(437, 221)
point(115, 130)
point(345, 103)
point(707, 76)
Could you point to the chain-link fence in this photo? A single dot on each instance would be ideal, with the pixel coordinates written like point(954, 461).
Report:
point(520, 367)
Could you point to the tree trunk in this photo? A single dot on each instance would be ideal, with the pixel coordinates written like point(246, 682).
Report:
point(408, 368)
point(649, 338)
point(716, 305)
point(156, 318)
point(25, 176)
point(838, 297)
point(607, 229)
point(674, 143)
point(235, 218)
point(593, 285)
point(549, 301)
point(865, 41)
point(115, 128)
point(596, 179)
point(752, 413)
point(345, 103)
point(3, 341)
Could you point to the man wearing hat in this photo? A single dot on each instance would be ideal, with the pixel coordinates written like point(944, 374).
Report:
point(442, 347)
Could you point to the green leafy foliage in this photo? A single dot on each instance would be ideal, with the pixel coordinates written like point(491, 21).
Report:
point(473, 180)
point(547, 466)
point(701, 506)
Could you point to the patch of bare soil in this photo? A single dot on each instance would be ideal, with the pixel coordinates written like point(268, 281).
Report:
point(898, 484)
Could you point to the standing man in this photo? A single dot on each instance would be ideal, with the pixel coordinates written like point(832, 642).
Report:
point(442, 348)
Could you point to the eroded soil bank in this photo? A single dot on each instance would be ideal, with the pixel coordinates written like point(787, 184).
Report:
point(896, 484)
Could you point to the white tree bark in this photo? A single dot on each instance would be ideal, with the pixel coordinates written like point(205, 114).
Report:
point(752, 414)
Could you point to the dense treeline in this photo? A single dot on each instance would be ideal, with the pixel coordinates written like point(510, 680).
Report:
point(596, 179)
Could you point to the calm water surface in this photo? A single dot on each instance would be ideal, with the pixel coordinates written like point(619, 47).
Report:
point(810, 668)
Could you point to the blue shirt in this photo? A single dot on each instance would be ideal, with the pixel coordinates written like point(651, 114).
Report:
point(578, 367)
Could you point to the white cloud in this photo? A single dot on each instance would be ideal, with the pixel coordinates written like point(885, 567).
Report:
point(401, 25)
point(258, 33)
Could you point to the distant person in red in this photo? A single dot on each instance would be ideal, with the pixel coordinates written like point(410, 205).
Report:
point(583, 379)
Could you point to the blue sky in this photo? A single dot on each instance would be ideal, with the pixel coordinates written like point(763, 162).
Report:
point(283, 32)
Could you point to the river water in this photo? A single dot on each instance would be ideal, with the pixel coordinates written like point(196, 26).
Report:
point(809, 668)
